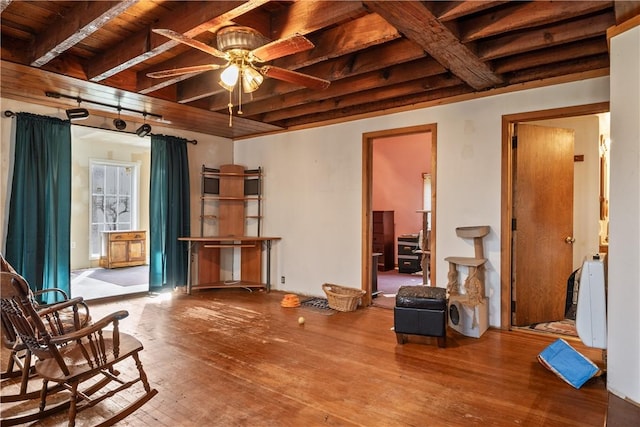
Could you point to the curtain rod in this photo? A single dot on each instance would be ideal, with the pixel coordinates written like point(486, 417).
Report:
point(9, 113)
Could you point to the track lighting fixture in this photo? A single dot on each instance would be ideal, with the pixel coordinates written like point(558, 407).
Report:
point(77, 113)
point(145, 129)
point(119, 123)
point(80, 113)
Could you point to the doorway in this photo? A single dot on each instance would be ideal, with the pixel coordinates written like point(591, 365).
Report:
point(91, 146)
point(369, 268)
point(514, 294)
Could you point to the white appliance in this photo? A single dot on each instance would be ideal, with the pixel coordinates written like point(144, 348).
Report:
point(591, 311)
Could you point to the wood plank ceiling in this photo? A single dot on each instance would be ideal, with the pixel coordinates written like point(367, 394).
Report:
point(378, 55)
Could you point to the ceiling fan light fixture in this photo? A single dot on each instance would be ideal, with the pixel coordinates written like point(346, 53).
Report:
point(251, 79)
point(229, 77)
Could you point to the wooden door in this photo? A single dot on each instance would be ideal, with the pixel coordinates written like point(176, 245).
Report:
point(543, 213)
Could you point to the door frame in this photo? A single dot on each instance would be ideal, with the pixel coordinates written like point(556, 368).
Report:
point(507, 191)
point(367, 199)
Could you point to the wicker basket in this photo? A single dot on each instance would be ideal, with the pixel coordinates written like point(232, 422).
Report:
point(342, 298)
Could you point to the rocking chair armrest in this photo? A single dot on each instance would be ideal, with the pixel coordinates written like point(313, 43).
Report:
point(64, 295)
point(88, 330)
point(60, 305)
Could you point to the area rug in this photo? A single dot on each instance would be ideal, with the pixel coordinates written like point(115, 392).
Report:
point(563, 327)
point(318, 305)
point(127, 276)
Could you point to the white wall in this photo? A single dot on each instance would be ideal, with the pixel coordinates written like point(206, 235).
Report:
point(313, 184)
point(623, 375)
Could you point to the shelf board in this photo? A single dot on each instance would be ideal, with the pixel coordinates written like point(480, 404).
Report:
point(229, 284)
point(211, 174)
point(229, 198)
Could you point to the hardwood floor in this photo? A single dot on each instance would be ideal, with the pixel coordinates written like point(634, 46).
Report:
point(235, 358)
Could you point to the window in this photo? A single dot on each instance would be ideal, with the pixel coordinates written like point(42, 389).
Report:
point(114, 199)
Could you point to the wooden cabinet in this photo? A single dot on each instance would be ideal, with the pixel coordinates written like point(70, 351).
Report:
point(123, 249)
point(383, 239)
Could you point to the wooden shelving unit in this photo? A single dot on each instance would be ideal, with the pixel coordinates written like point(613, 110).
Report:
point(232, 188)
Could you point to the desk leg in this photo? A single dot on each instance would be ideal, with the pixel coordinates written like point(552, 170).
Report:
point(268, 243)
point(189, 262)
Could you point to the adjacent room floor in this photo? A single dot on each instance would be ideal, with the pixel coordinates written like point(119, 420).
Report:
point(95, 283)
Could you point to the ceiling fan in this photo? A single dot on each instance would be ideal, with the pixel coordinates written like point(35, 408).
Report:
point(244, 50)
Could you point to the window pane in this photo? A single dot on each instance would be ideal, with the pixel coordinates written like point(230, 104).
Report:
point(97, 179)
point(125, 180)
point(97, 209)
point(124, 213)
point(111, 184)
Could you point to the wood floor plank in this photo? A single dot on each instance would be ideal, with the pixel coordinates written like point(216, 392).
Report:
point(236, 358)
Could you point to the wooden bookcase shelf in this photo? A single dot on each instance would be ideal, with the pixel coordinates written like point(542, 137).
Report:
point(226, 194)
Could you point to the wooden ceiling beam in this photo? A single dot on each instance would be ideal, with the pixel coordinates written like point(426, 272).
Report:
point(69, 29)
point(304, 17)
point(352, 36)
point(417, 23)
point(401, 73)
point(402, 103)
point(625, 10)
point(523, 15)
point(450, 10)
point(565, 68)
point(525, 41)
point(193, 19)
point(409, 87)
point(544, 57)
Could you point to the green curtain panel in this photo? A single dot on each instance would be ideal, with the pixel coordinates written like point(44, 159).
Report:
point(40, 207)
point(168, 212)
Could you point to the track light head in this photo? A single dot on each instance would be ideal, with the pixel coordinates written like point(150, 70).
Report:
point(119, 124)
point(143, 130)
point(77, 113)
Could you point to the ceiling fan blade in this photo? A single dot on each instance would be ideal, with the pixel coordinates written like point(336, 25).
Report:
point(294, 77)
point(174, 35)
point(184, 70)
point(282, 47)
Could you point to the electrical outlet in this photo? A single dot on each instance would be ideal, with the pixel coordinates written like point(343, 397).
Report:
point(282, 279)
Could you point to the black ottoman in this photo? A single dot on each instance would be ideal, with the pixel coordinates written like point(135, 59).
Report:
point(421, 310)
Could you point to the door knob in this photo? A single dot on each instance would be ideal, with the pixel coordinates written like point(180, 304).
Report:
point(570, 240)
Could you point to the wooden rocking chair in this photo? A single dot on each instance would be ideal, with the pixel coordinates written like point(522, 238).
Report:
point(71, 359)
point(66, 316)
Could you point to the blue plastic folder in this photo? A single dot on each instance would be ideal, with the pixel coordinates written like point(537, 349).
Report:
point(567, 363)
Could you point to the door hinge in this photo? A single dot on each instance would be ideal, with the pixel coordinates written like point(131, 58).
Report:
point(513, 306)
point(514, 142)
point(513, 224)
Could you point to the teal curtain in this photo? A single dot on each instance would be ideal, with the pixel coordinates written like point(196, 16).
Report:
point(168, 212)
point(40, 207)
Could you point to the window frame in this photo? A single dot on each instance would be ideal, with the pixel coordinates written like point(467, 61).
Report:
point(134, 198)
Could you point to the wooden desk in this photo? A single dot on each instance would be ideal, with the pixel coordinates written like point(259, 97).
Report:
point(207, 254)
